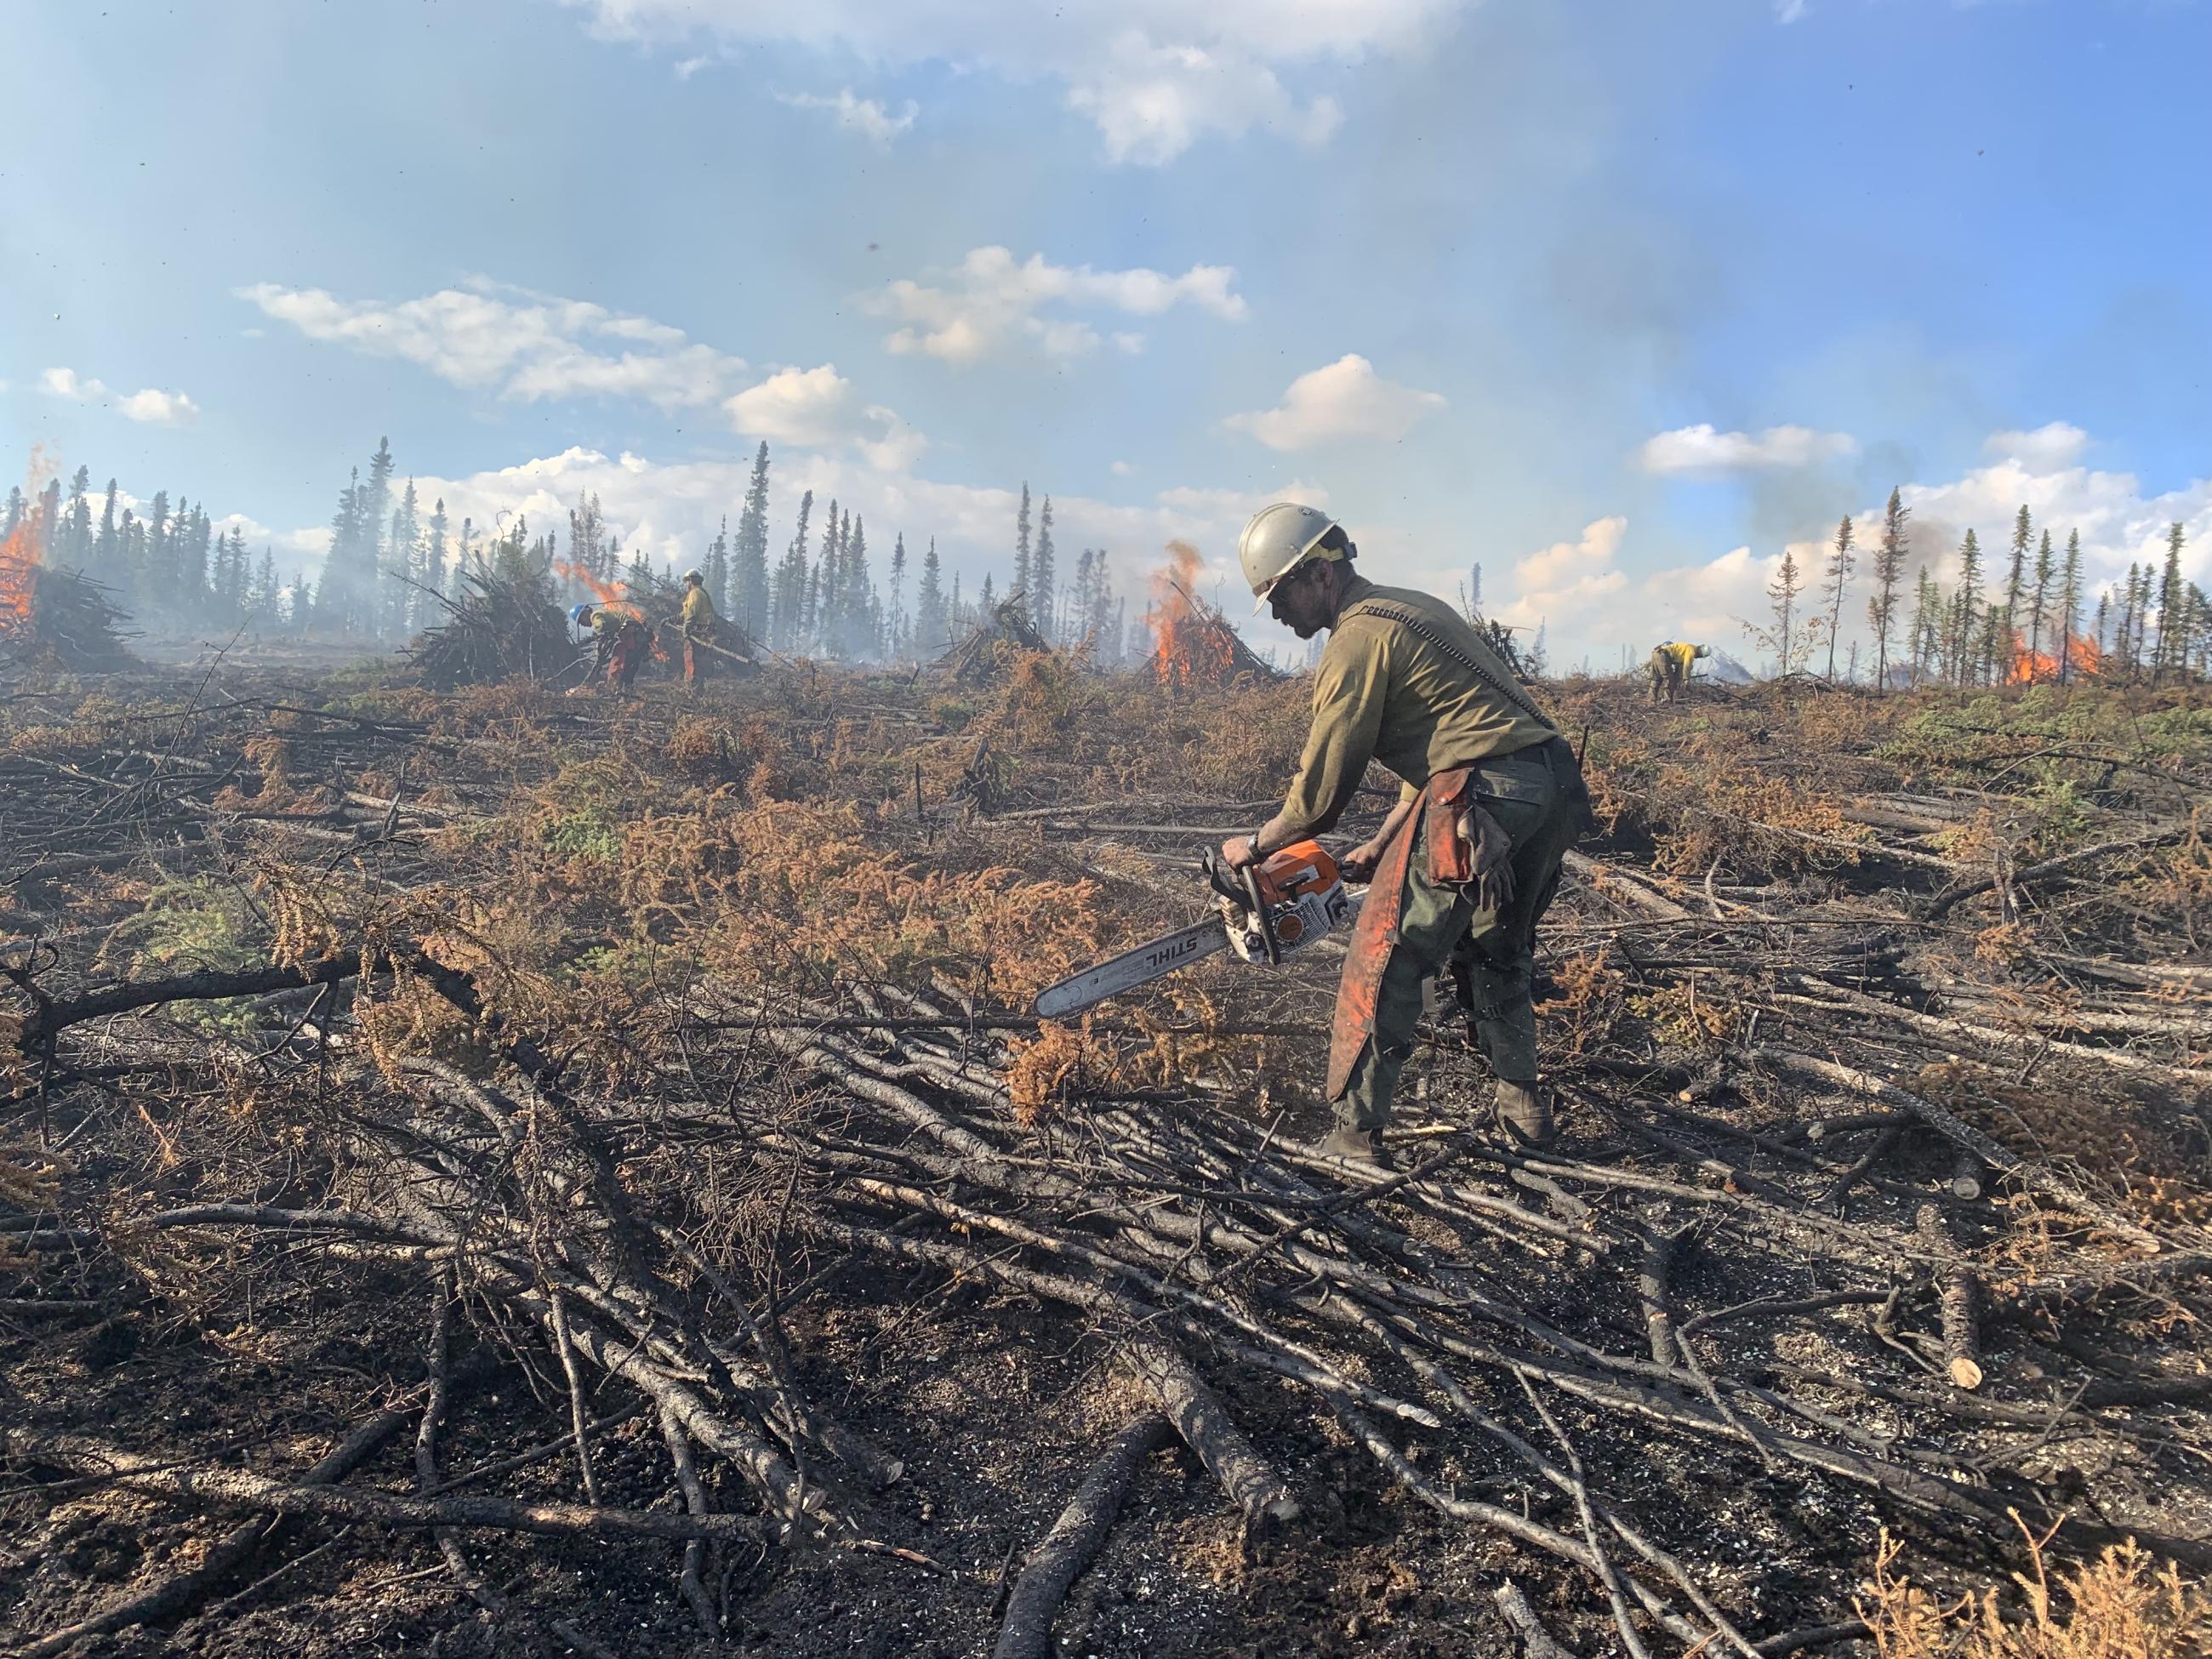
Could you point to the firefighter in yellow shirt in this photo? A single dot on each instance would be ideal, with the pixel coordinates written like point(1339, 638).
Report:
point(698, 618)
point(1671, 669)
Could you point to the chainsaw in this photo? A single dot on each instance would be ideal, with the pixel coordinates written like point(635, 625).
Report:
point(1265, 913)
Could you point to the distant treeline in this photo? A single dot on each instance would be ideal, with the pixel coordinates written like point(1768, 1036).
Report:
point(391, 564)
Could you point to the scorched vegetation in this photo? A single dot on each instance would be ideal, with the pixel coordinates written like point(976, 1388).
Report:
point(488, 1171)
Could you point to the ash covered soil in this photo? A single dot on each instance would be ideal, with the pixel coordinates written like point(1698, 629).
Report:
point(681, 1013)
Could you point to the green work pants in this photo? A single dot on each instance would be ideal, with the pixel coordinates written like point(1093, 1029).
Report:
point(1536, 795)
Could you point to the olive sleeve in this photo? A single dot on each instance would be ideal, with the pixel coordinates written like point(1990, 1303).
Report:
point(1349, 689)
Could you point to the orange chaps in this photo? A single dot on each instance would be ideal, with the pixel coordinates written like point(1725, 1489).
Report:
point(1443, 800)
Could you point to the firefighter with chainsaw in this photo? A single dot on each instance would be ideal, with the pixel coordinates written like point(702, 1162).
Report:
point(1465, 864)
point(698, 620)
point(620, 641)
point(1672, 664)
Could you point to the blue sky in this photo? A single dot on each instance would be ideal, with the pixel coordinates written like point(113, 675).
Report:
point(1617, 299)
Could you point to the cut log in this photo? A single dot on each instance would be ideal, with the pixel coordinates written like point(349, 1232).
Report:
point(1536, 1640)
point(1075, 1539)
point(1956, 1292)
point(224, 1488)
point(1206, 1428)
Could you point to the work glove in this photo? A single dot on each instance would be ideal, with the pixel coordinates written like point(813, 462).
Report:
point(1491, 850)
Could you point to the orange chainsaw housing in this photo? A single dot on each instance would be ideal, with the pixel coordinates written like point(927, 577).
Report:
point(1302, 897)
point(1287, 875)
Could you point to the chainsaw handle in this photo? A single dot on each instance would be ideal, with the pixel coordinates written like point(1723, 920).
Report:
point(1242, 889)
point(1261, 921)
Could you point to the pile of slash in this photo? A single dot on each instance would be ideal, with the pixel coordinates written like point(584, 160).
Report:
point(333, 1330)
point(64, 621)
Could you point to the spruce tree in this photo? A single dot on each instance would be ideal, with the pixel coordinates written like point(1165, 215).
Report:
point(1921, 632)
point(76, 541)
point(2173, 656)
point(1041, 576)
point(2070, 604)
point(49, 517)
point(156, 572)
point(1837, 582)
point(790, 582)
point(402, 560)
point(1889, 568)
point(375, 503)
point(828, 586)
point(106, 550)
point(894, 641)
point(1782, 593)
point(2040, 598)
point(194, 545)
point(19, 509)
point(1099, 624)
point(1965, 608)
point(716, 569)
point(931, 634)
point(748, 584)
point(587, 530)
point(858, 611)
point(1022, 544)
point(2015, 581)
point(434, 551)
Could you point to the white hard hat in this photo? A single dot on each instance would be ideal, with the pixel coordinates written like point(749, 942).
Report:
point(1276, 541)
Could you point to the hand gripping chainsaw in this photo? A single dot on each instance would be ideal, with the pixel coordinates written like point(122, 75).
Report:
point(1265, 912)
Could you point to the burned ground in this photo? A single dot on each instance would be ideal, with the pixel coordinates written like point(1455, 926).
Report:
point(664, 1066)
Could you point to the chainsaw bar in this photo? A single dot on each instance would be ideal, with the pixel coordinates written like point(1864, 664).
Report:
point(1133, 967)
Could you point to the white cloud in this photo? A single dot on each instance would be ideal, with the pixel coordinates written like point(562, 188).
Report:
point(1576, 563)
point(1238, 505)
point(862, 115)
point(2057, 444)
point(1154, 76)
point(150, 406)
point(522, 345)
point(1344, 399)
point(289, 546)
point(1122, 469)
point(989, 300)
point(1578, 591)
point(1590, 600)
point(1702, 449)
point(1152, 102)
point(1790, 11)
point(820, 409)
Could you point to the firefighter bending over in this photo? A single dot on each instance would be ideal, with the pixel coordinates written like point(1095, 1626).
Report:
point(619, 643)
point(1672, 667)
point(1464, 866)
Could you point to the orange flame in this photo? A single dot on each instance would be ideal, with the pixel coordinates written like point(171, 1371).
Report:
point(2028, 667)
point(19, 554)
point(19, 573)
point(1188, 644)
point(611, 596)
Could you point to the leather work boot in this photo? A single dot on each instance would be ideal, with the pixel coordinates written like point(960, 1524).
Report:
point(1356, 1147)
point(1523, 1110)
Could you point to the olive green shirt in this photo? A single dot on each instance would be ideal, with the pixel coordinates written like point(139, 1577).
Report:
point(1384, 693)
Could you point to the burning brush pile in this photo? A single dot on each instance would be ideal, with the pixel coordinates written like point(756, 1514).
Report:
point(1193, 644)
point(55, 619)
